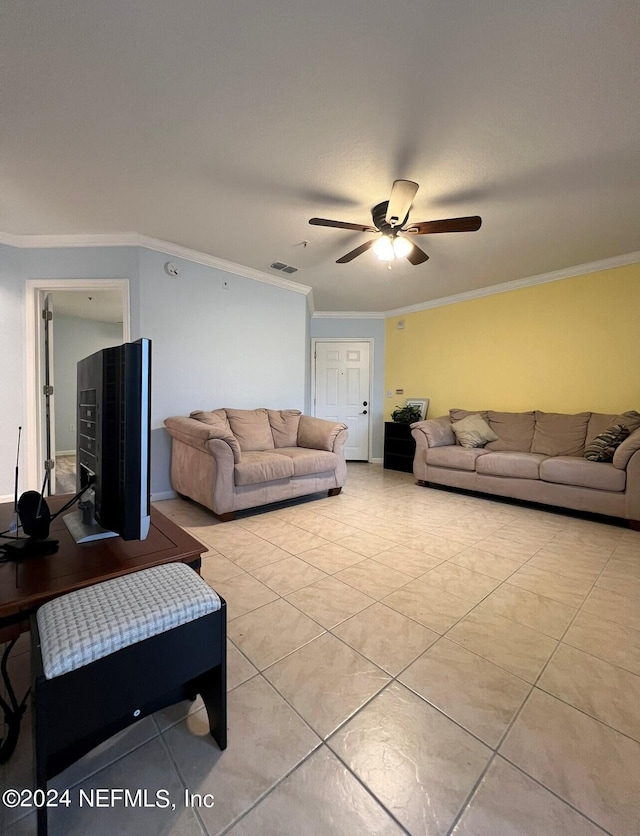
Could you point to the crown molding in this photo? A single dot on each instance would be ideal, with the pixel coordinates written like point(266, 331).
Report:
point(108, 239)
point(349, 315)
point(134, 239)
point(197, 257)
point(544, 278)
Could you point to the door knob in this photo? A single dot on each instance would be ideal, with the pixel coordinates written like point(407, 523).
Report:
point(364, 403)
point(364, 412)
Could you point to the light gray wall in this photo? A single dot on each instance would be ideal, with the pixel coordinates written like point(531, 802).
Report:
point(340, 328)
point(16, 266)
point(244, 347)
point(13, 365)
point(240, 347)
point(73, 339)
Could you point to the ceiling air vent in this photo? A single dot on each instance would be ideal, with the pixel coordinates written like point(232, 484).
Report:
point(286, 268)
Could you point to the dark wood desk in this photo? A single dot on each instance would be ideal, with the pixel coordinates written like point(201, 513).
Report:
point(29, 583)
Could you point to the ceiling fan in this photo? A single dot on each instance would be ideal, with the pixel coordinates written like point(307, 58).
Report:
point(391, 219)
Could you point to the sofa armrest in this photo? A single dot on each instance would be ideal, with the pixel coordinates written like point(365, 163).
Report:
point(435, 432)
point(198, 434)
point(319, 434)
point(626, 450)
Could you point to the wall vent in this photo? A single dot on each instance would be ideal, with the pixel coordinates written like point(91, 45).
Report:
point(286, 268)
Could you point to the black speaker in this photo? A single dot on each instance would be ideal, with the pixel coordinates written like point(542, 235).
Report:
point(34, 515)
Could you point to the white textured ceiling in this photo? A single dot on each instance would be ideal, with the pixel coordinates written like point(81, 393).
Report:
point(225, 126)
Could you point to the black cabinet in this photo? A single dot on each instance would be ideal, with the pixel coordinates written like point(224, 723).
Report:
point(399, 447)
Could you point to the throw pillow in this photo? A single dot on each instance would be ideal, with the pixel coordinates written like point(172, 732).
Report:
point(473, 431)
point(603, 446)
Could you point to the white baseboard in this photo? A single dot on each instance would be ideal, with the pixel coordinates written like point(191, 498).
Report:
point(8, 498)
point(65, 452)
point(376, 461)
point(158, 497)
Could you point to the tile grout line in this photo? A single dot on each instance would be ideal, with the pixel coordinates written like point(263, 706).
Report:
point(176, 769)
point(394, 678)
point(496, 751)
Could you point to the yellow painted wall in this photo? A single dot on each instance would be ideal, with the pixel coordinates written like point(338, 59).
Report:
point(565, 346)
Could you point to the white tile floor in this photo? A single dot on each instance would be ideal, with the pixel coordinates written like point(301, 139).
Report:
point(401, 660)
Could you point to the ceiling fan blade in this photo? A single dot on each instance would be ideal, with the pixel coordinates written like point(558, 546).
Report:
point(342, 225)
point(358, 251)
point(417, 256)
point(402, 194)
point(470, 224)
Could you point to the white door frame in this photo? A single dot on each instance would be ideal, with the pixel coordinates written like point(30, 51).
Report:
point(35, 291)
point(314, 341)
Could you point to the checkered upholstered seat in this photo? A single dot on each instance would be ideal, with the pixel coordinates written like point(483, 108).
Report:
point(107, 656)
point(88, 624)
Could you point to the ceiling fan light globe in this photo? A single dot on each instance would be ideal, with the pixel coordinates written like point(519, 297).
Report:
point(402, 247)
point(383, 248)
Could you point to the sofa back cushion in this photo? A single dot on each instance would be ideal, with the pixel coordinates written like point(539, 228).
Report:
point(284, 426)
point(598, 423)
point(251, 427)
point(459, 414)
point(514, 431)
point(557, 434)
point(215, 418)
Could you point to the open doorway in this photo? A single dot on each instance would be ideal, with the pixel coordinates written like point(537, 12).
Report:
point(83, 322)
point(70, 320)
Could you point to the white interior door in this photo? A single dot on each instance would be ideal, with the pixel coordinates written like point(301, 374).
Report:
point(343, 390)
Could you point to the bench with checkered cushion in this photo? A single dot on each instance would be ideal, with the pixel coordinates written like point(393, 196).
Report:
point(82, 626)
point(107, 655)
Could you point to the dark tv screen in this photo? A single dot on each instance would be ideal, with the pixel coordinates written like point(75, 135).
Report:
point(113, 437)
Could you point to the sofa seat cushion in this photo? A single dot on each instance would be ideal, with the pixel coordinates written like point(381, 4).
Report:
point(455, 457)
point(568, 470)
point(262, 466)
point(511, 463)
point(305, 461)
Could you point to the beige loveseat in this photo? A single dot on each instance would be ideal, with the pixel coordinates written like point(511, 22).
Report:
point(536, 456)
point(232, 459)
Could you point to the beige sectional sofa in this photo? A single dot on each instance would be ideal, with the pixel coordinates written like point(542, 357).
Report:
point(232, 459)
point(536, 456)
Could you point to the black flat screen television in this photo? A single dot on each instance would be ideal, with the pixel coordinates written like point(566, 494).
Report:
point(112, 444)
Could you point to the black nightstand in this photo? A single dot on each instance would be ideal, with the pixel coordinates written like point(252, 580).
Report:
point(399, 447)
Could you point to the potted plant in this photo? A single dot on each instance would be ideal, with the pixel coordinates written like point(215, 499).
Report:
point(406, 414)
